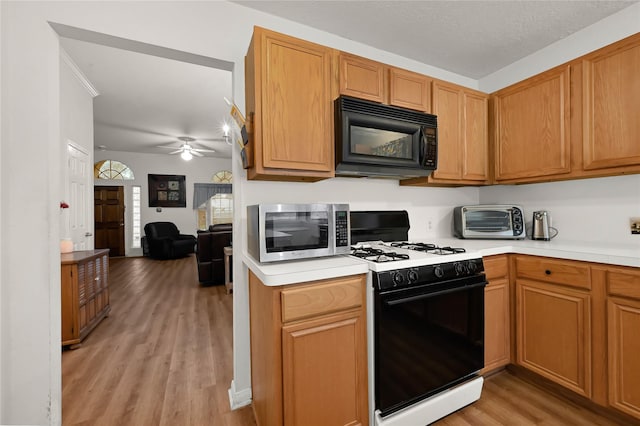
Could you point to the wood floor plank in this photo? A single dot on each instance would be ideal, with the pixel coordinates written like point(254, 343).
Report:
point(164, 357)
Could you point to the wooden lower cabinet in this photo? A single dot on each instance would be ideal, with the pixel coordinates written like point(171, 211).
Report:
point(623, 325)
point(497, 341)
point(84, 293)
point(554, 322)
point(309, 352)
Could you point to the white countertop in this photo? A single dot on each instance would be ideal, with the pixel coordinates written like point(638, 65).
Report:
point(290, 272)
point(622, 255)
point(298, 271)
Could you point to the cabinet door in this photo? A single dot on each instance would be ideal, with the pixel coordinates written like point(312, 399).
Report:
point(532, 128)
point(554, 333)
point(447, 105)
point(624, 358)
point(476, 136)
point(362, 78)
point(289, 94)
point(325, 371)
point(496, 325)
point(611, 101)
point(409, 90)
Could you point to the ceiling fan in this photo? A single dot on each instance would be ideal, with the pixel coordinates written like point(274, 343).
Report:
point(187, 150)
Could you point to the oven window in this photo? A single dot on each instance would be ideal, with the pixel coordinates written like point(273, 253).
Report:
point(381, 143)
point(426, 343)
point(488, 220)
point(289, 231)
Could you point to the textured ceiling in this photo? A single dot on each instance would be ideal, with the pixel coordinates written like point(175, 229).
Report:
point(470, 38)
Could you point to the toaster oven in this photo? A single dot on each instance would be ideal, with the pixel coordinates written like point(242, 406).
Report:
point(498, 221)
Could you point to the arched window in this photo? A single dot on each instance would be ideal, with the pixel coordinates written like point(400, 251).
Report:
point(223, 176)
point(112, 170)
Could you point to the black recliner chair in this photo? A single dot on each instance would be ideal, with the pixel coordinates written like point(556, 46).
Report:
point(166, 242)
point(210, 253)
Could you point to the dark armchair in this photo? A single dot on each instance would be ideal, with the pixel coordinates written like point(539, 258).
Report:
point(210, 253)
point(165, 241)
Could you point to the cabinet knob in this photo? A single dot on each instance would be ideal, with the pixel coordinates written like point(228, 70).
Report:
point(97, 278)
point(548, 272)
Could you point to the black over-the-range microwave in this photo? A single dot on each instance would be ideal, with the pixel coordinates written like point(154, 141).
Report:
point(383, 141)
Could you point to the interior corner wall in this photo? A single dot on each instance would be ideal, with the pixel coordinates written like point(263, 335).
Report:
point(197, 170)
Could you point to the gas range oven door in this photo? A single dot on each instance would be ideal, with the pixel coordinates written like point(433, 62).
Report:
point(428, 338)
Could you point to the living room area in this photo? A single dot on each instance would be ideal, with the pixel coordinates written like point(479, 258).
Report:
point(153, 128)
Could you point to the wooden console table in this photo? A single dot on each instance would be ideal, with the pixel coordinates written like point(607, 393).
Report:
point(84, 292)
point(228, 252)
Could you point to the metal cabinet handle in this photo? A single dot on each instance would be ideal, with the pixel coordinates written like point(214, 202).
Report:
point(88, 234)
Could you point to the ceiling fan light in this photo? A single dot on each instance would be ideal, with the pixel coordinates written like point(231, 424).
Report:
point(186, 155)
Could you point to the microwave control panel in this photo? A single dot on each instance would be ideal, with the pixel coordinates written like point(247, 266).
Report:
point(430, 147)
point(342, 228)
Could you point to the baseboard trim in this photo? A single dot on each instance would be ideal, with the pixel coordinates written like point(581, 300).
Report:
point(239, 399)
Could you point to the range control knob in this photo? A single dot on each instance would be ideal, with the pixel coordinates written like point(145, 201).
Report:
point(438, 271)
point(460, 268)
point(398, 279)
point(472, 267)
point(412, 276)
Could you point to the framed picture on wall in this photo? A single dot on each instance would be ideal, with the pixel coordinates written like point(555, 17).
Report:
point(167, 191)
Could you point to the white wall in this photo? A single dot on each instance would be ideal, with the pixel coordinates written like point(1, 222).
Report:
point(198, 170)
point(30, 155)
point(589, 210)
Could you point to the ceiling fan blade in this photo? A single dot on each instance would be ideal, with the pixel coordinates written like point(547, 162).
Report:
point(202, 150)
point(222, 139)
point(194, 152)
point(167, 146)
point(176, 152)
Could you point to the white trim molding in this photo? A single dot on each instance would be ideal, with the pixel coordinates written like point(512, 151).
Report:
point(239, 399)
point(77, 72)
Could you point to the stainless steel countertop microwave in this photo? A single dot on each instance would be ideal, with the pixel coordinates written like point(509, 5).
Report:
point(486, 221)
point(278, 232)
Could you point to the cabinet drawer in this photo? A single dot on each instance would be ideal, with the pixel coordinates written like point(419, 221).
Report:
point(570, 273)
point(322, 298)
point(496, 266)
point(623, 282)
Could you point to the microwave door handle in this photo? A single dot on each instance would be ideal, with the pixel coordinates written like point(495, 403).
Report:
point(423, 146)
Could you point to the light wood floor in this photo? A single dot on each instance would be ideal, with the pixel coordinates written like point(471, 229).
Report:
point(164, 357)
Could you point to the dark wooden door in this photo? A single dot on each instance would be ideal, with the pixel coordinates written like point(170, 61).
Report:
point(109, 218)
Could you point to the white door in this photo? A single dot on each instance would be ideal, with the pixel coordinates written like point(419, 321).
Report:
point(79, 225)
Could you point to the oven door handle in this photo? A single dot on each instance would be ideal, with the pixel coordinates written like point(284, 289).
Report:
point(435, 293)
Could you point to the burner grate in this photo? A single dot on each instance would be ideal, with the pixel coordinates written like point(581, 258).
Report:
point(427, 248)
point(377, 255)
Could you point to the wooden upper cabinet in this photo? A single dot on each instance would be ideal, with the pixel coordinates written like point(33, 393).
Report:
point(447, 105)
point(366, 79)
point(362, 78)
point(409, 90)
point(289, 104)
point(463, 136)
point(532, 128)
point(611, 105)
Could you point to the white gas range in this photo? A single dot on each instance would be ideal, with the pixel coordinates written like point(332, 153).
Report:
point(425, 308)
